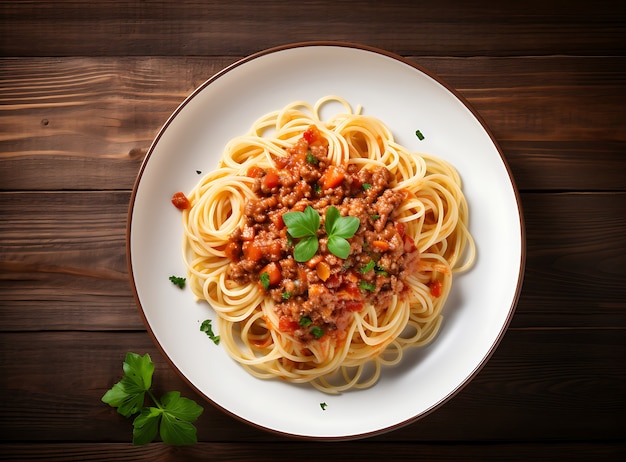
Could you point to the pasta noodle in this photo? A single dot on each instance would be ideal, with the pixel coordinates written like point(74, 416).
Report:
point(412, 236)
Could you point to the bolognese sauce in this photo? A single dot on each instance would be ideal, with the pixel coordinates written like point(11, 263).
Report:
point(317, 297)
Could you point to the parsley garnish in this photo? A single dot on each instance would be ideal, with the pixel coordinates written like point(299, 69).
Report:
point(370, 266)
point(317, 331)
point(265, 280)
point(208, 329)
point(311, 159)
point(305, 321)
point(367, 286)
point(323, 406)
point(286, 295)
point(304, 226)
point(178, 281)
point(419, 135)
point(374, 217)
point(380, 271)
point(173, 415)
point(366, 186)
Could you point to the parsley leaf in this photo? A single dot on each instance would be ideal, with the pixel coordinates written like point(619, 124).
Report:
point(265, 280)
point(366, 186)
point(370, 266)
point(367, 286)
point(323, 406)
point(172, 417)
point(419, 135)
point(208, 329)
point(178, 281)
point(311, 159)
point(317, 331)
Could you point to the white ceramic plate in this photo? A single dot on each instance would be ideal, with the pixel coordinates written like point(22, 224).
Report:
point(406, 98)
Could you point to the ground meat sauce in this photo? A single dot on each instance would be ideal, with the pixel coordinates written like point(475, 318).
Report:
point(318, 297)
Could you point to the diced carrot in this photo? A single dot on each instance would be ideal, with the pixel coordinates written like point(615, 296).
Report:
point(381, 246)
point(323, 270)
point(251, 251)
point(332, 177)
point(273, 271)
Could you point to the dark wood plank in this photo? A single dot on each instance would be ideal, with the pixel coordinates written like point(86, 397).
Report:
point(554, 386)
point(576, 265)
point(556, 119)
point(309, 451)
point(63, 261)
point(445, 28)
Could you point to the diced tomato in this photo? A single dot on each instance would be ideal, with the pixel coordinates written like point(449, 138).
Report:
point(310, 135)
point(332, 177)
point(270, 180)
point(233, 251)
point(354, 305)
point(349, 291)
point(180, 201)
point(273, 271)
point(435, 288)
point(400, 227)
point(255, 172)
point(381, 246)
point(287, 325)
point(409, 244)
point(281, 162)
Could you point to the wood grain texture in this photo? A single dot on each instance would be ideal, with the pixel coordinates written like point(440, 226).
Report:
point(305, 451)
point(47, 398)
point(91, 121)
point(85, 87)
point(448, 27)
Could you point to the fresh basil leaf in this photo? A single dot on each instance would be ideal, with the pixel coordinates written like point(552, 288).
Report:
point(146, 425)
point(336, 225)
point(339, 246)
point(346, 227)
point(302, 224)
point(305, 249)
point(332, 215)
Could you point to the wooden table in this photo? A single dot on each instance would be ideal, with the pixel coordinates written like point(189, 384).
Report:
point(84, 88)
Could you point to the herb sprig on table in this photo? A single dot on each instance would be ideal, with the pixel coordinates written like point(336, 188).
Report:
point(172, 416)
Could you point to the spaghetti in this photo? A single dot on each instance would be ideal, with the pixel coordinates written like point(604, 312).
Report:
point(325, 247)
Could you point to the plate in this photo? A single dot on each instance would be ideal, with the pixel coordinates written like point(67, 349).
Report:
point(405, 97)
